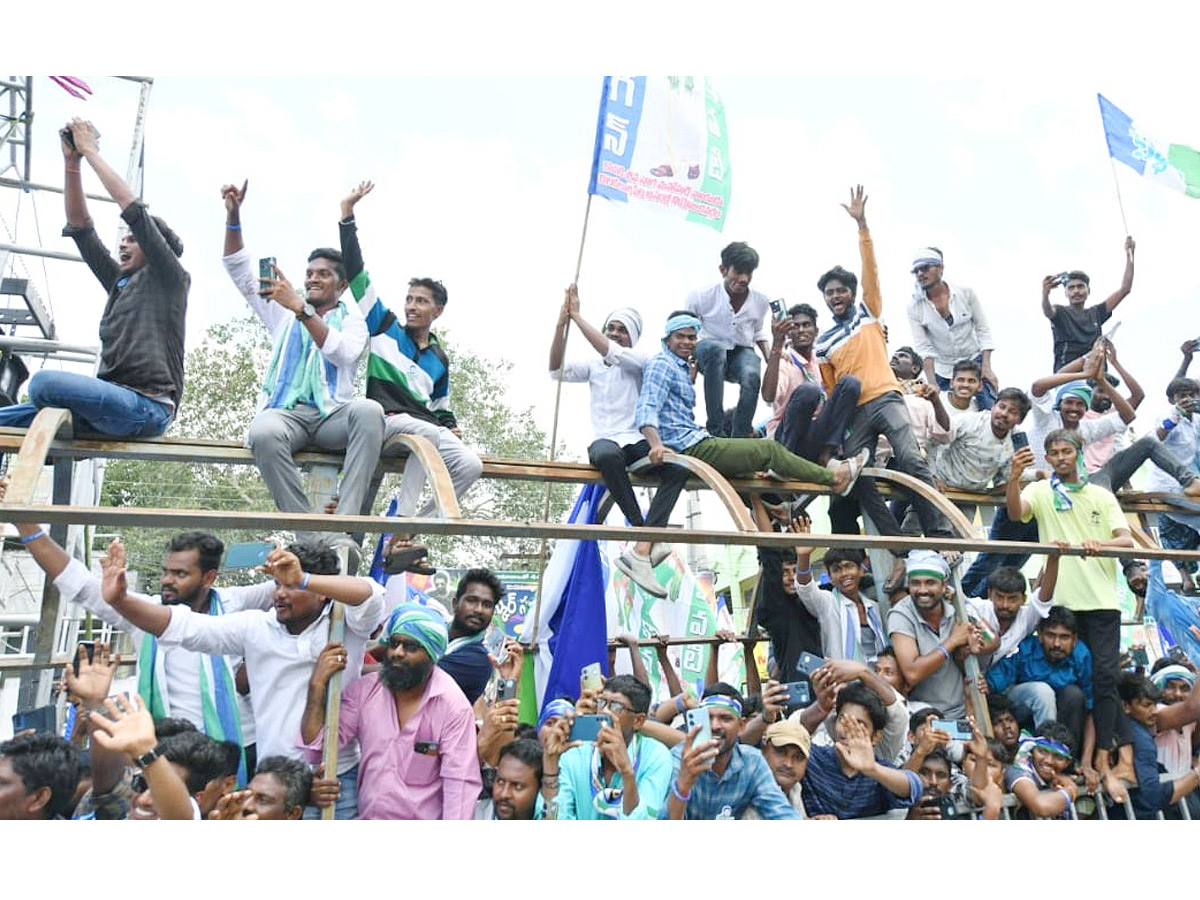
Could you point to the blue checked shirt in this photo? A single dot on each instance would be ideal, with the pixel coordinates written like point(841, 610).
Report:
point(1029, 663)
point(827, 790)
point(747, 782)
point(667, 402)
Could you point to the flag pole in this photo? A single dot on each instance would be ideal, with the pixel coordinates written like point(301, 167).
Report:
point(537, 601)
point(1117, 184)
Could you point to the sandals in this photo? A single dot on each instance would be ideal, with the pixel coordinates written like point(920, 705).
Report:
point(857, 463)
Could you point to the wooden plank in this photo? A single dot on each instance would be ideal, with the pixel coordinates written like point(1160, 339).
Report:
point(958, 521)
point(220, 520)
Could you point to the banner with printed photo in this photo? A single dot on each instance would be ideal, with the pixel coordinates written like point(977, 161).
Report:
point(512, 611)
point(661, 143)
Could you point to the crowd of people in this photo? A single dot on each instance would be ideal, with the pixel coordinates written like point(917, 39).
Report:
point(872, 706)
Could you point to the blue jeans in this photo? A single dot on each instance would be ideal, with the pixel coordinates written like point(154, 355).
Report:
point(739, 366)
point(985, 397)
point(347, 801)
point(96, 406)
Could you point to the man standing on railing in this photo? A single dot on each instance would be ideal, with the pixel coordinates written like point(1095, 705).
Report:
point(139, 383)
point(308, 391)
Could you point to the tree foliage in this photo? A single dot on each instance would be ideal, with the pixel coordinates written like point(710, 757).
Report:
point(222, 380)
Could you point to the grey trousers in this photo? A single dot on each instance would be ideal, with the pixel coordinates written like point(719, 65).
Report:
point(276, 434)
point(463, 463)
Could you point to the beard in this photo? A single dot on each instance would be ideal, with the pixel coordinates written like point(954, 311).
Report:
point(400, 677)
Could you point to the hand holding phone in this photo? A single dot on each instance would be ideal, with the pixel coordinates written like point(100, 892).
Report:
point(266, 272)
point(587, 728)
point(590, 678)
point(958, 729)
point(248, 555)
point(799, 694)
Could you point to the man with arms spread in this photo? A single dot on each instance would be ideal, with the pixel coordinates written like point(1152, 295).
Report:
point(623, 775)
point(139, 382)
point(721, 778)
point(415, 727)
point(1069, 508)
point(1075, 328)
point(280, 648)
point(616, 380)
point(308, 392)
point(408, 372)
point(948, 324)
point(732, 316)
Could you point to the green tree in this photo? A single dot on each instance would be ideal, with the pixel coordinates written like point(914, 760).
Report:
point(223, 378)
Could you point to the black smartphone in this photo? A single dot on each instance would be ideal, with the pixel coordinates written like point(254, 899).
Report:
point(809, 663)
point(43, 720)
point(265, 272)
point(1020, 440)
point(89, 648)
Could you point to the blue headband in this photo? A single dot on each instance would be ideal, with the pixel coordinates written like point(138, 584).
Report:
point(1173, 673)
point(723, 700)
point(683, 320)
point(559, 707)
point(1052, 746)
point(1077, 389)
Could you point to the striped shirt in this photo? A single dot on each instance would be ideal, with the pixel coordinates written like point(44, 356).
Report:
point(829, 791)
point(855, 345)
point(747, 782)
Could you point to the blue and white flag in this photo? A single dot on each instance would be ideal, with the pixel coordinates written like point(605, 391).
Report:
point(1176, 166)
point(1178, 620)
point(661, 143)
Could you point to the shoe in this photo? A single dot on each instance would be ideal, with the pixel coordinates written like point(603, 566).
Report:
point(856, 463)
point(897, 578)
point(693, 172)
point(663, 171)
point(659, 552)
point(641, 573)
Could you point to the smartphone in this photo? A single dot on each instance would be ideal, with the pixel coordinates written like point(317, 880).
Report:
point(799, 693)
point(506, 689)
point(43, 720)
point(69, 136)
point(1020, 440)
point(809, 663)
point(248, 555)
point(90, 649)
point(1177, 654)
point(1063, 278)
point(265, 271)
point(495, 644)
point(699, 717)
point(590, 678)
point(779, 309)
point(958, 729)
point(587, 728)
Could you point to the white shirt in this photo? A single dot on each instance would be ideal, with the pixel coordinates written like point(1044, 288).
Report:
point(745, 328)
point(833, 610)
point(1181, 441)
point(343, 348)
point(279, 664)
point(181, 668)
point(934, 337)
point(1024, 624)
point(1044, 418)
point(616, 381)
point(974, 458)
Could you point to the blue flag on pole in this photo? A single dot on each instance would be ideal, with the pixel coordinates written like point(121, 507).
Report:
point(1178, 621)
point(1176, 166)
point(579, 625)
point(661, 143)
point(377, 572)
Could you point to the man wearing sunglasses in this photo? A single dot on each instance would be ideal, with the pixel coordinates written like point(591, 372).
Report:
point(623, 774)
point(948, 325)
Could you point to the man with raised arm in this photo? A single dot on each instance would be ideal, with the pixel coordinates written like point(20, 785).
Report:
point(615, 378)
point(308, 391)
point(415, 727)
point(139, 383)
point(855, 345)
point(280, 648)
point(173, 681)
point(408, 372)
point(1076, 327)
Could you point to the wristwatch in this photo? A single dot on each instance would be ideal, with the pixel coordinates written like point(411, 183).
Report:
point(307, 311)
point(148, 757)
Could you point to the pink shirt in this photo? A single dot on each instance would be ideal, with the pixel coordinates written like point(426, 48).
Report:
point(394, 780)
point(791, 376)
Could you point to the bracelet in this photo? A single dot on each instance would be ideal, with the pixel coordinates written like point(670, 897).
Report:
point(30, 538)
point(549, 774)
point(681, 797)
point(945, 652)
point(233, 227)
point(679, 705)
point(1066, 796)
point(807, 571)
point(69, 169)
point(304, 582)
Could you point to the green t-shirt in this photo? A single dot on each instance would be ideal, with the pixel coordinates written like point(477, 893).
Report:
point(1084, 583)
